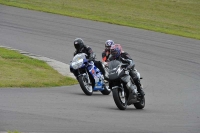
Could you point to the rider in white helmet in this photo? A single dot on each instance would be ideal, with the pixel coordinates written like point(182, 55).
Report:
point(106, 52)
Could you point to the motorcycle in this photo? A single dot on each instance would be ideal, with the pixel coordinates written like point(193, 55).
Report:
point(120, 82)
point(88, 75)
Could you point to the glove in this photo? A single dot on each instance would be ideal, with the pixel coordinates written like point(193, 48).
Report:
point(107, 53)
point(90, 59)
point(105, 63)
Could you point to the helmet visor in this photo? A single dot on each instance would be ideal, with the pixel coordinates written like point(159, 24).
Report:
point(77, 46)
point(114, 53)
point(107, 48)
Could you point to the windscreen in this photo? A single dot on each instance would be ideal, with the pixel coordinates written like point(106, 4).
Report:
point(113, 64)
point(79, 56)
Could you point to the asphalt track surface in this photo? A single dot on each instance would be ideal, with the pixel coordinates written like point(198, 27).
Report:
point(169, 64)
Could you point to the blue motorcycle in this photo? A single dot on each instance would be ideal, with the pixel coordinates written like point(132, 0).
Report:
point(88, 75)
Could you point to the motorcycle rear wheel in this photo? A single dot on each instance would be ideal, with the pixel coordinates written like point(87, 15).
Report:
point(140, 104)
point(85, 86)
point(120, 101)
point(106, 90)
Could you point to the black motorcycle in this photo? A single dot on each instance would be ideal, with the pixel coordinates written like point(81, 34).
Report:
point(120, 82)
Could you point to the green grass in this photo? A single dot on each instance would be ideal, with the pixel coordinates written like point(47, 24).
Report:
point(178, 17)
point(17, 70)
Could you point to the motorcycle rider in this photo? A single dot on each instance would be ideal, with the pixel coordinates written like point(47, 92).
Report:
point(82, 48)
point(106, 52)
point(117, 54)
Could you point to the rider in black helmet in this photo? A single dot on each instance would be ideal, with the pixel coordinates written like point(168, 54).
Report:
point(82, 48)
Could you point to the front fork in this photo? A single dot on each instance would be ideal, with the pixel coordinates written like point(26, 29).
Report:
point(122, 90)
point(85, 75)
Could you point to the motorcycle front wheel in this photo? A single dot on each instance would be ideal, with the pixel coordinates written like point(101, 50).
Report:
point(119, 98)
point(86, 86)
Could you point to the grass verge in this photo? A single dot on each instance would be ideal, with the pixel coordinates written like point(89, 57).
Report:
point(14, 131)
point(178, 17)
point(18, 70)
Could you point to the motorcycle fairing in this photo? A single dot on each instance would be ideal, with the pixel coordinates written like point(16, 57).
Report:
point(79, 61)
point(95, 72)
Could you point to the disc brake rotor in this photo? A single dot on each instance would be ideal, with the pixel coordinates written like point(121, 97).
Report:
point(122, 97)
point(87, 85)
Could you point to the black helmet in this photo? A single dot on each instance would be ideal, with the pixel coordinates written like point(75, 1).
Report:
point(78, 43)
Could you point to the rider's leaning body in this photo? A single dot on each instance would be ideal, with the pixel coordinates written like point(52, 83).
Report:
point(82, 48)
point(124, 57)
point(106, 52)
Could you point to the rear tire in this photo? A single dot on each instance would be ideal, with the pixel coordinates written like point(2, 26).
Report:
point(85, 86)
point(120, 101)
point(140, 104)
point(106, 90)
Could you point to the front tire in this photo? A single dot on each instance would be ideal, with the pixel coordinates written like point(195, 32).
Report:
point(85, 86)
point(120, 101)
point(106, 90)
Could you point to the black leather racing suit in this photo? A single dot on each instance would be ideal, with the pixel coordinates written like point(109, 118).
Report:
point(125, 58)
point(105, 55)
point(91, 56)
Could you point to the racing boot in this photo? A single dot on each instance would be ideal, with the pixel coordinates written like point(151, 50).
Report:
point(133, 89)
point(139, 87)
point(140, 90)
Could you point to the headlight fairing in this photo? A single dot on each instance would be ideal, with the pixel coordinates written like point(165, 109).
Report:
point(77, 64)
